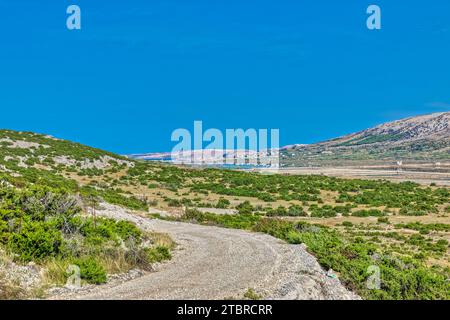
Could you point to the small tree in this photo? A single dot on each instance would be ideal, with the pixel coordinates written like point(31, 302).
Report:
point(92, 203)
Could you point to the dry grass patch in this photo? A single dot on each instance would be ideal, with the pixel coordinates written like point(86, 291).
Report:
point(162, 239)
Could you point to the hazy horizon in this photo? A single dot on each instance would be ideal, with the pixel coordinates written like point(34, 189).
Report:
point(136, 72)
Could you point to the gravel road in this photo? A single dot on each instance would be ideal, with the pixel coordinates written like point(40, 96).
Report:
point(217, 263)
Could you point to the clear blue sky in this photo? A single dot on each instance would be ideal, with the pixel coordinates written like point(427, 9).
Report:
point(139, 69)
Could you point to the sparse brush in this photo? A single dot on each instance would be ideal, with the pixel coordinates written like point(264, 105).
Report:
point(10, 287)
point(158, 254)
point(252, 295)
point(161, 239)
point(10, 290)
point(56, 272)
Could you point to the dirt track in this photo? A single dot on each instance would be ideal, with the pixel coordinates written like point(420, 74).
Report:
point(218, 263)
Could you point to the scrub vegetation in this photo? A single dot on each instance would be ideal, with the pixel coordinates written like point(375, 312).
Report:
point(48, 186)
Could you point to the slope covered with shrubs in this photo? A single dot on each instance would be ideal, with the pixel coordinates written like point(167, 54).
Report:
point(47, 226)
point(402, 276)
point(45, 182)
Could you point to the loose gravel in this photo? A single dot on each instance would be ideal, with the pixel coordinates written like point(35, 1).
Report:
point(218, 263)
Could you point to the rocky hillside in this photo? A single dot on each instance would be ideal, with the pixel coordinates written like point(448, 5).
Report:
point(418, 139)
point(28, 158)
point(27, 149)
point(31, 155)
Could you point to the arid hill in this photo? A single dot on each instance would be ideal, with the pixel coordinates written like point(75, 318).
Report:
point(420, 139)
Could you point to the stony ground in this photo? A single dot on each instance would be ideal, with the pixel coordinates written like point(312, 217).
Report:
point(218, 263)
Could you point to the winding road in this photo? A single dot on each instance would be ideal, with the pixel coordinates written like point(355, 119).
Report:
point(218, 263)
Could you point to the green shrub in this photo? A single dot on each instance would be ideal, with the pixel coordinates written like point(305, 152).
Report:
point(104, 230)
point(115, 197)
point(127, 230)
point(91, 270)
point(275, 227)
point(241, 221)
point(252, 295)
point(383, 220)
point(174, 203)
point(158, 254)
point(293, 211)
point(347, 224)
point(245, 207)
point(223, 203)
point(35, 241)
point(411, 212)
point(325, 211)
point(368, 213)
point(280, 211)
point(296, 211)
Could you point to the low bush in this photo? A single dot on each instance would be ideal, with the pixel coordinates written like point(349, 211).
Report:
point(368, 213)
point(41, 224)
point(173, 202)
point(347, 224)
point(223, 203)
point(158, 254)
point(245, 208)
point(35, 241)
point(292, 211)
point(240, 221)
point(252, 295)
point(325, 211)
point(383, 220)
point(91, 270)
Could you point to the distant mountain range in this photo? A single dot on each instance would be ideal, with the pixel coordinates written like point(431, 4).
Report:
point(424, 138)
point(419, 139)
